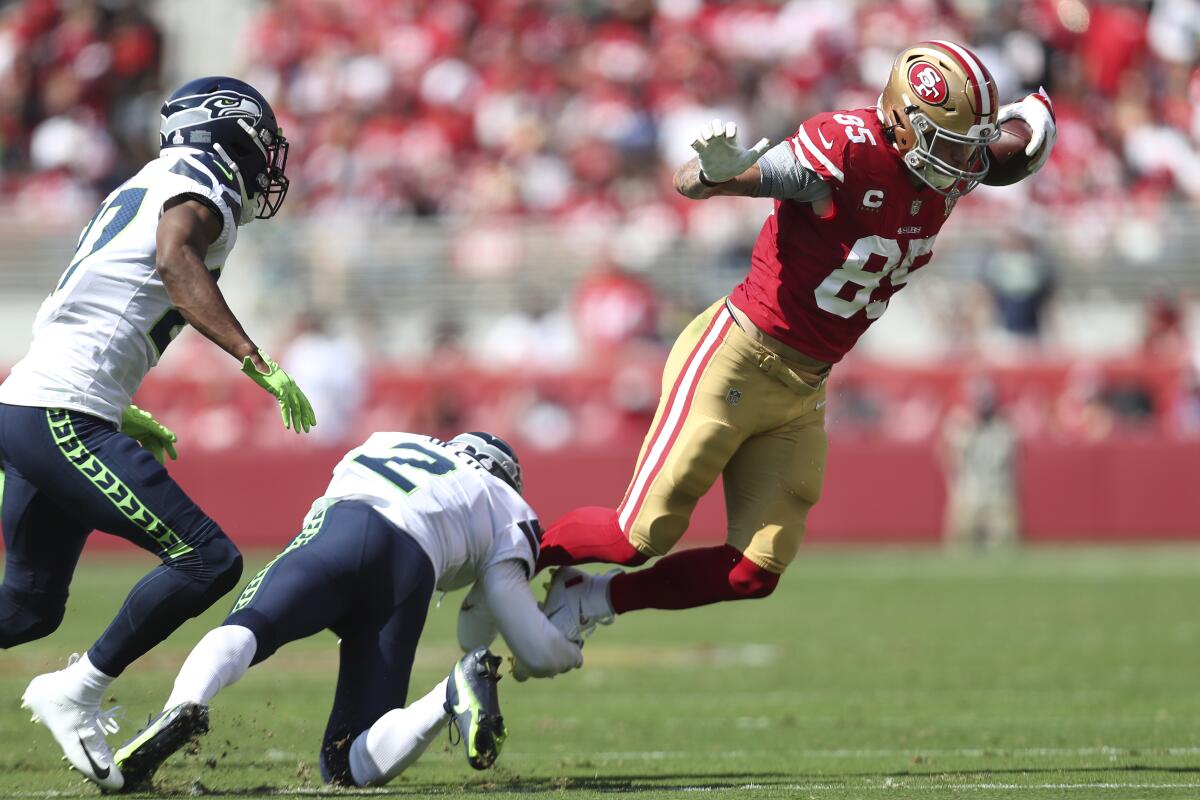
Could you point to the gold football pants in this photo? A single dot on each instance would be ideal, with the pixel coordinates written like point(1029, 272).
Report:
point(730, 407)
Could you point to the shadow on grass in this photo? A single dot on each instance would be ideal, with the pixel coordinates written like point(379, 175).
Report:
point(656, 783)
point(624, 784)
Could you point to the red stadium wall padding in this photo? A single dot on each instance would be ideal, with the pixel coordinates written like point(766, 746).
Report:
point(1139, 488)
point(1119, 490)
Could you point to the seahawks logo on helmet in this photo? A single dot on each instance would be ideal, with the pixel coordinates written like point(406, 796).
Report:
point(207, 107)
point(493, 454)
point(231, 104)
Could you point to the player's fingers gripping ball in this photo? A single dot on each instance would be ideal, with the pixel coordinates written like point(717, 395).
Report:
point(1037, 111)
point(294, 408)
point(156, 438)
point(721, 157)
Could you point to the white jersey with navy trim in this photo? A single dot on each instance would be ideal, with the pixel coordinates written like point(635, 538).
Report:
point(109, 318)
point(464, 518)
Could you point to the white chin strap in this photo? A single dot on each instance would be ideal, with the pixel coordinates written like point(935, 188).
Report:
point(249, 208)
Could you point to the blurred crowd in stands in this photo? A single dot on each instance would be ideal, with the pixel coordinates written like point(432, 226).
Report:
point(80, 86)
point(548, 107)
point(576, 113)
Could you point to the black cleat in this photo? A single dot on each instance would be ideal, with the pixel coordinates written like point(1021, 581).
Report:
point(474, 706)
point(140, 757)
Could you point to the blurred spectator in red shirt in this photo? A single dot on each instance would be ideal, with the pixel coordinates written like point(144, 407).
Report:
point(613, 308)
point(1165, 335)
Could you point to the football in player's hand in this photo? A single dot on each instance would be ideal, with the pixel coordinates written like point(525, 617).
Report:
point(1007, 162)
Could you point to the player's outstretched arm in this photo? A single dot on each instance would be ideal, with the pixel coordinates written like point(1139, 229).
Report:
point(539, 648)
point(772, 172)
point(185, 231)
point(722, 166)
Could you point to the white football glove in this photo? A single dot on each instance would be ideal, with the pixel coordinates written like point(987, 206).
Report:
point(721, 157)
point(1038, 113)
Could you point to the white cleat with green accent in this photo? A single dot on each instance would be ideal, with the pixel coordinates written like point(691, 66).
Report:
point(78, 728)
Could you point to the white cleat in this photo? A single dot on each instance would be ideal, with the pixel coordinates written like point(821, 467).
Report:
point(577, 602)
point(78, 728)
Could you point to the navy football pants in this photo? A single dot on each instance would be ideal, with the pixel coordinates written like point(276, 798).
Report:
point(67, 473)
point(353, 572)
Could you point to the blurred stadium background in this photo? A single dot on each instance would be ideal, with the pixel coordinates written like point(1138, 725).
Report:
point(481, 233)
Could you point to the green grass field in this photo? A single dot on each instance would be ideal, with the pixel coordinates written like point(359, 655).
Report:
point(890, 674)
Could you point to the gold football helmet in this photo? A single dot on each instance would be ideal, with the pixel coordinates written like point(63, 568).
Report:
point(940, 108)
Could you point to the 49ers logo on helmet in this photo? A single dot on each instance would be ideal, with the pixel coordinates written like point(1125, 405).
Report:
point(929, 84)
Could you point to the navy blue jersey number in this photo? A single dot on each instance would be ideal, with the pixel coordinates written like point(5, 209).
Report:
point(421, 458)
point(171, 323)
point(124, 208)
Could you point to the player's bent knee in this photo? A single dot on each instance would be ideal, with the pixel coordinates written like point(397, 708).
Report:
point(27, 617)
point(227, 570)
point(265, 640)
point(215, 564)
point(748, 580)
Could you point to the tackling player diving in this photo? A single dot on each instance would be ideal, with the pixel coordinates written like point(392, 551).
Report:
point(404, 516)
point(77, 455)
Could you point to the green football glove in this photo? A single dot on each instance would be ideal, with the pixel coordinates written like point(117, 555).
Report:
point(294, 407)
point(151, 434)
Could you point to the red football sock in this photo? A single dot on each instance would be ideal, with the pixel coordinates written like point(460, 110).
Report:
point(692, 578)
point(588, 535)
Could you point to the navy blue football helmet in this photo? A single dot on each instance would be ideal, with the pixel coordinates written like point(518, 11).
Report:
point(231, 119)
point(493, 454)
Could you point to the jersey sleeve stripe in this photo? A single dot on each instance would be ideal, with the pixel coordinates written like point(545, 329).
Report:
point(799, 151)
point(186, 169)
point(529, 528)
point(198, 171)
point(819, 156)
point(233, 200)
point(983, 99)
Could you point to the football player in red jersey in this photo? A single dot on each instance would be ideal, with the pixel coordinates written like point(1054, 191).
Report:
point(860, 196)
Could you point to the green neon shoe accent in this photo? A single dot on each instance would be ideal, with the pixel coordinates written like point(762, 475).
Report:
point(474, 707)
point(166, 734)
point(73, 449)
point(306, 535)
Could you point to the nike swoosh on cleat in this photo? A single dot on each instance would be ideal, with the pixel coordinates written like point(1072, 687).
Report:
point(95, 767)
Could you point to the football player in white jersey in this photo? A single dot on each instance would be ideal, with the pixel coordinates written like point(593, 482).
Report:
point(404, 516)
point(77, 455)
